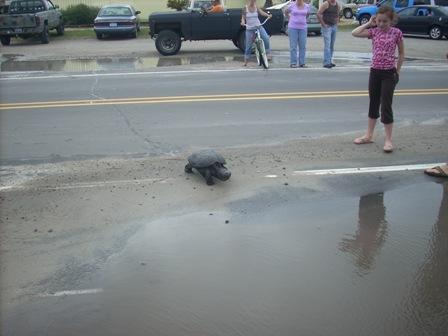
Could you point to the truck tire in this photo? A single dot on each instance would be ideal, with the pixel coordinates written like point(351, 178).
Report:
point(99, 36)
point(348, 14)
point(241, 40)
point(364, 19)
point(44, 36)
point(6, 40)
point(60, 29)
point(168, 42)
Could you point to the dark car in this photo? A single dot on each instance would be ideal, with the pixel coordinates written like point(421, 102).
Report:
point(117, 19)
point(424, 20)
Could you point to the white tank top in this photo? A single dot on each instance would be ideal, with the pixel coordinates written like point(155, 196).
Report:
point(252, 20)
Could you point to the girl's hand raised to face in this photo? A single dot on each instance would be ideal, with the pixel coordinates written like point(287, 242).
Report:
point(372, 21)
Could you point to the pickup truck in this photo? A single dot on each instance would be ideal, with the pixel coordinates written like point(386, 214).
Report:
point(26, 18)
point(169, 29)
point(364, 14)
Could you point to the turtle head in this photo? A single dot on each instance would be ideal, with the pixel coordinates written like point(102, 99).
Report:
point(220, 171)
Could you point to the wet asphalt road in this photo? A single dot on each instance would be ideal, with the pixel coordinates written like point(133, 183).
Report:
point(355, 254)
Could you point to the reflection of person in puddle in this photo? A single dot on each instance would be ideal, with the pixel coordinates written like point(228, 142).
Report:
point(371, 233)
point(428, 299)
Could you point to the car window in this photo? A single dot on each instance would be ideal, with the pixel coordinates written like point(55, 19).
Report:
point(26, 6)
point(50, 5)
point(389, 3)
point(444, 10)
point(402, 3)
point(115, 11)
point(422, 2)
point(407, 12)
point(441, 2)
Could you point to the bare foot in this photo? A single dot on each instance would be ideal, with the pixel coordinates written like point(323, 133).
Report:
point(362, 140)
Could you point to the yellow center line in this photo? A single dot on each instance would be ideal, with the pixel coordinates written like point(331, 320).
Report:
point(213, 98)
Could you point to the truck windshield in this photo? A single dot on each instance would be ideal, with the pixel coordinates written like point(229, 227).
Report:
point(26, 6)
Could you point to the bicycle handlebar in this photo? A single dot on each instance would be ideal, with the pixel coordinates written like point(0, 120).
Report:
point(258, 26)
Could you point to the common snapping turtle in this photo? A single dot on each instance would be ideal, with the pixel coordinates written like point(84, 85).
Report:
point(209, 164)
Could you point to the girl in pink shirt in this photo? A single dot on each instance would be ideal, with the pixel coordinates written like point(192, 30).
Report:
point(384, 71)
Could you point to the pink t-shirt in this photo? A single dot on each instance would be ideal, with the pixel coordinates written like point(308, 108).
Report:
point(384, 44)
point(297, 16)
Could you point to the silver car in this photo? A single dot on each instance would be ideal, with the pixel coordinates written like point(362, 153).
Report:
point(119, 19)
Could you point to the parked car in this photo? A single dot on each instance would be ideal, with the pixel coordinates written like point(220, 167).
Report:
point(352, 6)
point(424, 20)
point(26, 18)
point(365, 13)
point(118, 19)
point(312, 20)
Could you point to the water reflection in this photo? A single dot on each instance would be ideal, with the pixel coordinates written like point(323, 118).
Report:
point(112, 63)
point(371, 233)
point(428, 301)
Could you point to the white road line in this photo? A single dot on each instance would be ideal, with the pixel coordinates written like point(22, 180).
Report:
point(83, 185)
point(72, 292)
point(362, 170)
point(22, 75)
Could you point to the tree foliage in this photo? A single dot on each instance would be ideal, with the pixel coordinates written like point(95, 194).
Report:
point(81, 14)
point(177, 4)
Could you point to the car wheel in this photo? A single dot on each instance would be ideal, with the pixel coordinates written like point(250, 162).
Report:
point(168, 42)
point(364, 19)
point(60, 29)
point(99, 36)
point(435, 33)
point(44, 36)
point(134, 34)
point(6, 40)
point(348, 14)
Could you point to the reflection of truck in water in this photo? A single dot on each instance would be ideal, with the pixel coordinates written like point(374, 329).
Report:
point(26, 18)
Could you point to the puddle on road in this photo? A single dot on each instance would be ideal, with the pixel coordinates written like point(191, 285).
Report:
point(111, 63)
point(12, 62)
point(289, 262)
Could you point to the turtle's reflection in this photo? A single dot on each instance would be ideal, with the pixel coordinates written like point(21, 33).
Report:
point(371, 233)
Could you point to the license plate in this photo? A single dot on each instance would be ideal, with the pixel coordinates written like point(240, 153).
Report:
point(18, 30)
point(113, 24)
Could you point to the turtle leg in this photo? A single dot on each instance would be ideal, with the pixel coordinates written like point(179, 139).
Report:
point(206, 173)
point(189, 168)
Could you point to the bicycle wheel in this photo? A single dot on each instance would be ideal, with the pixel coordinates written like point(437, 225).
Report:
point(263, 56)
point(257, 52)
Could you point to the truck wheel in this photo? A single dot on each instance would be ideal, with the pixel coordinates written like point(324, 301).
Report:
point(99, 36)
point(241, 41)
point(60, 29)
point(6, 40)
point(44, 36)
point(168, 42)
point(364, 19)
point(435, 33)
point(348, 14)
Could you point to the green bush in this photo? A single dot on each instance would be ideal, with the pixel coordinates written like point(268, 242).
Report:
point(316, 3)
point(177, 4)
point(79, 15)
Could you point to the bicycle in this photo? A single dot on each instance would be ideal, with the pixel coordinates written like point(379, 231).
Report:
point(260, 50)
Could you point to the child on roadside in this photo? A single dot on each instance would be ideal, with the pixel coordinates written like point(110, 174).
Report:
point(384, 71)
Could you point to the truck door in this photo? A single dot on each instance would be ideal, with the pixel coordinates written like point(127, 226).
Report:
point(210, 26)
point(52, 15)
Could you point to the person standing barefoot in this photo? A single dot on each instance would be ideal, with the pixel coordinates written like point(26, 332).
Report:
point(384, 71)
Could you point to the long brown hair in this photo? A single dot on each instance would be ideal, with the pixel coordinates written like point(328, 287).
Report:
point(389, 12)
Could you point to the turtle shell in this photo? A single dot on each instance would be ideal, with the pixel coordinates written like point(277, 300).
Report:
point(205, 158)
